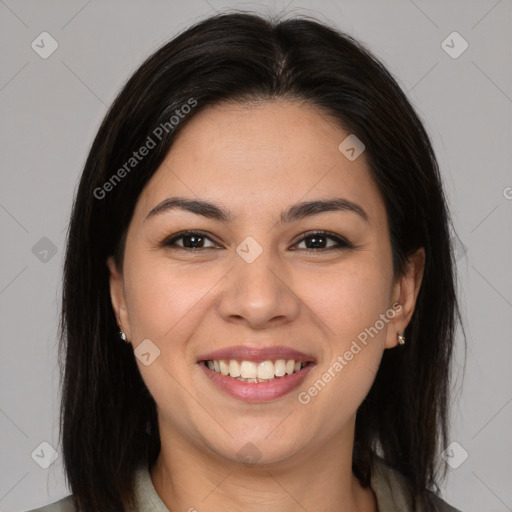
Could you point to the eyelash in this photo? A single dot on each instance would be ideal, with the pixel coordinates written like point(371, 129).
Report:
point(342, 243)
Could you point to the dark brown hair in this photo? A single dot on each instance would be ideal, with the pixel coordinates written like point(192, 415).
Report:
point(108, 417)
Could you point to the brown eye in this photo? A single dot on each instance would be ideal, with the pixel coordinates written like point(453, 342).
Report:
point(190, 240)
point(319, 240)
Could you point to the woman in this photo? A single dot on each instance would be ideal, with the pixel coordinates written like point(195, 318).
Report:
point(261, 220)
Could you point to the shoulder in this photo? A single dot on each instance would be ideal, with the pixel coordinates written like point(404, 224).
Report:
point(66, 504)
point(392, 492)
point(441, 505)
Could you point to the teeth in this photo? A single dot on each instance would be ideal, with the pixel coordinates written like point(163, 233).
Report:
point(266, 370)
point(280, 368)
point(224, 368)
point(234, 368)
point(249, 371)
point(253, 380)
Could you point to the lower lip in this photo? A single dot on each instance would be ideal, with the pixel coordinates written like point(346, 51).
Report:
point(257, 391)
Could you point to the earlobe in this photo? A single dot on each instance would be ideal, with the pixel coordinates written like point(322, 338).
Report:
point(117, 296)
point(406, 292)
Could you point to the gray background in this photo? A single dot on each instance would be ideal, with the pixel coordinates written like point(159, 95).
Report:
point(51, 109)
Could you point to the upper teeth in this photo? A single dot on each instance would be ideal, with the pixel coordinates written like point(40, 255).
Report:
point(266, 370)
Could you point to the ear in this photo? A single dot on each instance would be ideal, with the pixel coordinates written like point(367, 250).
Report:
point(118, 298)
point(405, 292)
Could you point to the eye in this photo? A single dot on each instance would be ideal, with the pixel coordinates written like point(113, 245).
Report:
point(191, 240)
point(318, 241)
point(195, 241)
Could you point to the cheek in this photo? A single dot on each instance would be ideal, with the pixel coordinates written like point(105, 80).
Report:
point(163, 299)
point(350, 305)
point(351, 302)
point(348, 300)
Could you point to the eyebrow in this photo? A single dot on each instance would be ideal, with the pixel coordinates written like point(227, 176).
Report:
point(295, 212)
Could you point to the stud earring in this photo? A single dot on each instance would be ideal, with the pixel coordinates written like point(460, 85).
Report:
point(401, 338)
point(122, 335)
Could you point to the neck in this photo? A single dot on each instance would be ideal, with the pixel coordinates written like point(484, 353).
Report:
point(191, 477)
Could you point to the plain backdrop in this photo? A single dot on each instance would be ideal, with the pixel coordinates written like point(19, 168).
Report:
point(51, 109)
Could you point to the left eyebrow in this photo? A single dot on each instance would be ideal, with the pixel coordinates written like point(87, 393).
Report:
point(295, 212)
point(310, 208)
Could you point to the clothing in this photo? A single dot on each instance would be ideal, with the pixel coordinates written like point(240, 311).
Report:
point(388, 485)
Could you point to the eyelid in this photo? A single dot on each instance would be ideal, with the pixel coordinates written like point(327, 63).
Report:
point(188, 232)
point(342, 243)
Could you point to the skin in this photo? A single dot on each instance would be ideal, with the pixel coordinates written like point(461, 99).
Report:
point(256, 161)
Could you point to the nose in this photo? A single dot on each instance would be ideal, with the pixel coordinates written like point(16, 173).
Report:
point(259, 294)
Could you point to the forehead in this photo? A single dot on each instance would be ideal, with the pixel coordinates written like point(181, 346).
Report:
point(259, 156)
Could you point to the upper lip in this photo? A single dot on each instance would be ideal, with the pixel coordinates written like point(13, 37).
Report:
point(257, 354)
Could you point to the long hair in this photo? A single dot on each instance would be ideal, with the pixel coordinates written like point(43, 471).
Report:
point(108, 417)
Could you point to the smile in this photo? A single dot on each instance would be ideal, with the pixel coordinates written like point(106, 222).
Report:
point(256, 374)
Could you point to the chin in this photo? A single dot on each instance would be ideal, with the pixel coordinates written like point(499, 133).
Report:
point(258, 451)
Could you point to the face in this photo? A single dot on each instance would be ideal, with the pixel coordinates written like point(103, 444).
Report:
point(260, 282)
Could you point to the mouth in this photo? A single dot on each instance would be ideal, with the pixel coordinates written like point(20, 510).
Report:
point(254, 374)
